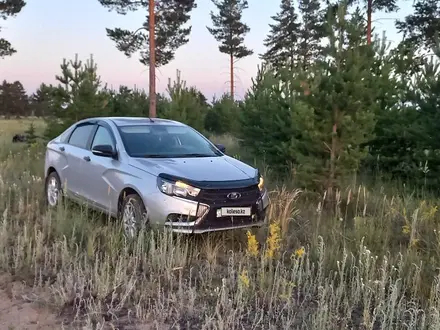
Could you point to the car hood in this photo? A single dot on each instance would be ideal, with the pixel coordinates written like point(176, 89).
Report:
point(222, 168)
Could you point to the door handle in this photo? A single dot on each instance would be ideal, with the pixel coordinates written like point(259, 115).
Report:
point(62, 148)
point(87, 158)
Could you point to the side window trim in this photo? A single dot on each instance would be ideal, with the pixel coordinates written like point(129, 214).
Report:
point(107, 127)
point(112, 134)
point(91, 137)
point(91, 134)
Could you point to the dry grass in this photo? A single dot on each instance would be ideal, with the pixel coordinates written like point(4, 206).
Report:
point(371, 263)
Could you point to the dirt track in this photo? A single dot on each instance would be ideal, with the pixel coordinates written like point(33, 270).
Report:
point(20, 310)
point(16, 313)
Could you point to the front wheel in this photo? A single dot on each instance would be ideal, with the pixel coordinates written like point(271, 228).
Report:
point(133, 215)
point(53, 189)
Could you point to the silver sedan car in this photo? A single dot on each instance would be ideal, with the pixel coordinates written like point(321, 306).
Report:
point(149, 172)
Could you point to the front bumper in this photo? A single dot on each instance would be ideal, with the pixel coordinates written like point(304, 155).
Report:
point(191, 217)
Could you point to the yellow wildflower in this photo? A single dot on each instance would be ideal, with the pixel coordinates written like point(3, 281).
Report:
point(273, 240)
point(414, 242)
point(252, 245)
point(300, 252)
point(244, 279)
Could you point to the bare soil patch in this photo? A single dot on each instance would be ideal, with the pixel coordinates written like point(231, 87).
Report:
point(19, 312)
point(22, 308)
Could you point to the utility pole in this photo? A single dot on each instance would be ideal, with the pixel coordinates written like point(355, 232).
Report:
point(152, 45)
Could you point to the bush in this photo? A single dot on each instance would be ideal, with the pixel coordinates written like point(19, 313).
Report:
point(274, 122)
point(222, 116)
point(186, 104)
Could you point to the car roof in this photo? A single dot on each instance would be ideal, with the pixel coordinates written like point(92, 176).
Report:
point(125, 121)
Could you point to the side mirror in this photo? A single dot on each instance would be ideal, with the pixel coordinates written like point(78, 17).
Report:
point(221, 147)
point(104, 150)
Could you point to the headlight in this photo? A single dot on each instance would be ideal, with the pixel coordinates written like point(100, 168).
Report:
point(177, 188)
point(261, 184)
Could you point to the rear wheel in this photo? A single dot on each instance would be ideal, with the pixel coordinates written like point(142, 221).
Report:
point(133, 215)
point(53, 190)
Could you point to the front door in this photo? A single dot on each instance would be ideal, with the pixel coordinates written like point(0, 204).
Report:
point(103, 172)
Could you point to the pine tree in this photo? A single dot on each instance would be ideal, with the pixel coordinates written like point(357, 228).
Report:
point(229, 30)
point(310, 33)
point(21, 99)
point(221, 118)
point(370, 7)
point(422, 28)
point(277, 125)
point(128, 102)
point(171, 16)
point(31, 136)
point(40, 101)
point(185, 105)
point(345, 93)
point(168, 18)
point(78, 95)
point(406, 135)
point(13, 99)
point(281, 42)
point(9, 8)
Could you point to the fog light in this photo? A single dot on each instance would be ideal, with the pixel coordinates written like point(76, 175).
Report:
point(202, 209)
point(177, 217)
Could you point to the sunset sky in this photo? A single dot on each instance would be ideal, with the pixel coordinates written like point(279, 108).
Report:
point(46, 31)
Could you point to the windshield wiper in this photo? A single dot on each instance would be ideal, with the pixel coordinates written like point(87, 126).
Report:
point(177, 156)
point(157, 156)
point(193, 155)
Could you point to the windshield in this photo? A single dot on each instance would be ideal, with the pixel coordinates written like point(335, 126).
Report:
point(165, 141)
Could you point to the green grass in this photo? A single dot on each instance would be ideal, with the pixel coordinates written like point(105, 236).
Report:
point(369, 263)
point(10, 127)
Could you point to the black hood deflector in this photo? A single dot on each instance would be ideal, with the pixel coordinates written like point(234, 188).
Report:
point(214, 184)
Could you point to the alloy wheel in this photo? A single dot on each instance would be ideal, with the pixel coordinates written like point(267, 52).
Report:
point(132, 219)
point(52, 191)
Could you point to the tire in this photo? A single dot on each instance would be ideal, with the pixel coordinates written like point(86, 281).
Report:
point(53, 190)
point(133, 215)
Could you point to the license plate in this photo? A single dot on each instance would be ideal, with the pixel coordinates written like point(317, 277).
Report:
point(234, 211)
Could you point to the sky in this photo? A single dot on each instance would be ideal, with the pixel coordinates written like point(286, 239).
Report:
point(46, 31)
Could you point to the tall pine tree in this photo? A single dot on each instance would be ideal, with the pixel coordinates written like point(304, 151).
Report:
point(422, 28)
point(9, 8)
point(344, 96)
point(168, 20)
point(370, 7)
point(281, 42)
point(170, 30)
point(229, 30)
point(311, 32)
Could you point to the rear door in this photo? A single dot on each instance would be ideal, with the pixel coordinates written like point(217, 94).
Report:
point(77, 154)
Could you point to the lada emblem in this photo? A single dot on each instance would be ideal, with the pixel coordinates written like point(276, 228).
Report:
point(234, 195)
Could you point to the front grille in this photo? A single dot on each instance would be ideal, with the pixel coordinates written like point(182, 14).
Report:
point(217, 197)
